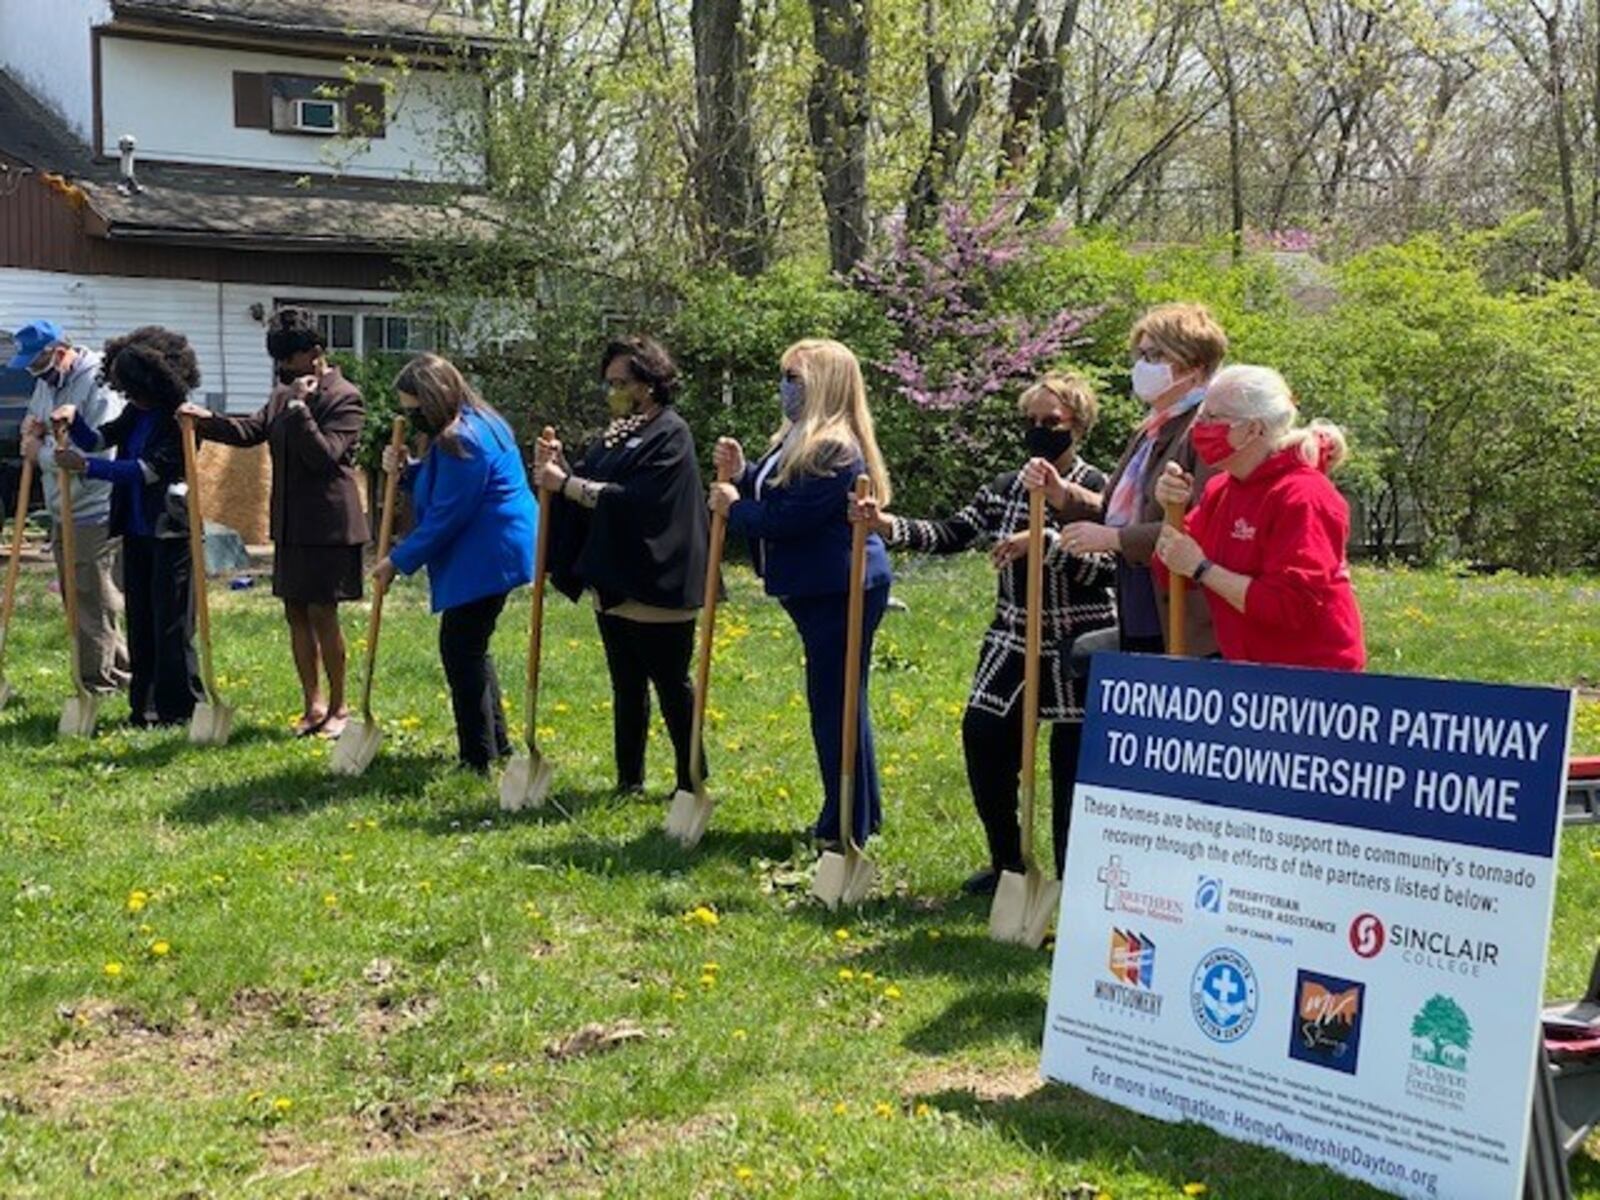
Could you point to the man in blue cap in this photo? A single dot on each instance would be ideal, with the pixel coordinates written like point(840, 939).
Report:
point(65, 374)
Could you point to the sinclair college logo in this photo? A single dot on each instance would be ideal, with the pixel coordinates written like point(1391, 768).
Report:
point(1441, 1037)
point(1327, 1021)
point(1223, 995)
point(1121, 897)
point(1435, 949)
point(1366, 935)
point(1131, 963)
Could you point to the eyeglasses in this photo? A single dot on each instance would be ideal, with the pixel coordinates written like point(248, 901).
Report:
point(1149, 354)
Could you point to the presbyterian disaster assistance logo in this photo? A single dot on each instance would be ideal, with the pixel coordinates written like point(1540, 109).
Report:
point(1131, 963)
point(1327, 1021)
point(1208, 894)
point(1223, 995)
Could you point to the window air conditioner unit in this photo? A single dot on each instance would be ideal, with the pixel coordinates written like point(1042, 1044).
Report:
point(315, 116)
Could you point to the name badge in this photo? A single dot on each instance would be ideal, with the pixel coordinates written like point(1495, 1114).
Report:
point(633, 442)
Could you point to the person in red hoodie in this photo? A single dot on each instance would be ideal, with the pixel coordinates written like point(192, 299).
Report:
point(1266, 543)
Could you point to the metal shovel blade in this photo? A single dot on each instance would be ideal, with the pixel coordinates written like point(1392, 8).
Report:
point(688, 816)
point(1009, 912)
point(526, 782)
point(843, 878)
point(78, 717)
point(211, 724)
point(356, 748)
point(1044, 900)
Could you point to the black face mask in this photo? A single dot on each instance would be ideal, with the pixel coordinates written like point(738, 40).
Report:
point(1046, 443)
point(419, 422)
point(287, 375)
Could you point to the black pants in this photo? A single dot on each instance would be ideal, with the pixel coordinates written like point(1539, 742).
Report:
point(464, 634)
point(164, 684)
point(993, 748)
point(639, 654)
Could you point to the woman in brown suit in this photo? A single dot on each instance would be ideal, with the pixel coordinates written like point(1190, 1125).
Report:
point(1176, 348)
point(312, 425)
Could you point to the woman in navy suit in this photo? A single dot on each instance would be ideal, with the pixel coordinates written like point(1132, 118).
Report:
point(794, 506)
point(474, 532)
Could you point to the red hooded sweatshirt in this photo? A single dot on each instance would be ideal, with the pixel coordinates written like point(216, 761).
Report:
point(1286, 527)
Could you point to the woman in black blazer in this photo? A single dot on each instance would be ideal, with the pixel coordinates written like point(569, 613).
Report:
point(794, 506)
point(630, 528)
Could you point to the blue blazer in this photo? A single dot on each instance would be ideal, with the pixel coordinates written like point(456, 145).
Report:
point(800, 532)
point(476, 516)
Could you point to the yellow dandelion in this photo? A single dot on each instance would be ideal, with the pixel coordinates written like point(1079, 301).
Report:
point(282, 1104)
point(883, 1109)
point(703, 916)
point(137, 900)
point(743, 1174)
point(841, 935)
point(846, 974)
point(499, 1069)
point(840, 1109)
point(113, 970)
point(710, 968)
point(679, 994)
point(924, 1111)
point(891, 992)
point(867, 977)
point(425, 885)
point(161, 949)
point(253, 1097)
point(329, 900)
point(1195, 1189)
point(739, 1035)
point(346, 856)
point(219, 879)
point(708, 980)
point(369, 823)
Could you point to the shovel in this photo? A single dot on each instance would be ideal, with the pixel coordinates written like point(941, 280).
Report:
point(1177, 589)
point(79, 714)
point(358, 744)
point(1024, 902)
point(8, 598)
point(691, 811)
point(526, 781)
point(212, 721)
point(847, 877)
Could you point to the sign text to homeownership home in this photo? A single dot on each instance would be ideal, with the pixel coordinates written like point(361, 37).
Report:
point(1310, 910)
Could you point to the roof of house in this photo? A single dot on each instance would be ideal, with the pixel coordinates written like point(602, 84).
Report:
point(401, 23)
point(229, 206)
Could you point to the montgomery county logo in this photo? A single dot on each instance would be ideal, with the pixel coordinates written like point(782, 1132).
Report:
point(1244, 531)
point(1435, 949)
point(1441, 1038)
point(1131, 963)
point(1208, 894)
point(1326, 1030)
point(1119, 896)
point(1223, 995)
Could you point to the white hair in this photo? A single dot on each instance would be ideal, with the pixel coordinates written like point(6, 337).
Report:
point(1261, 394)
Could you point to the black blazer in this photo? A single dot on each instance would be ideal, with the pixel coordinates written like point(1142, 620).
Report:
point(163, 455)
point(646, 539)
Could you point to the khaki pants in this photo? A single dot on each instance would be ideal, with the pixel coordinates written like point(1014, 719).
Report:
point(102, 651)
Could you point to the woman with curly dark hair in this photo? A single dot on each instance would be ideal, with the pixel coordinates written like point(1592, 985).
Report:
point(631, 530)
point(312, 424)
point(155, 369)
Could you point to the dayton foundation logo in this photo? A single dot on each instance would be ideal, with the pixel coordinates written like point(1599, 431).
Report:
point(1131, 963)
point(1327, 1021)
point(1441, 1038)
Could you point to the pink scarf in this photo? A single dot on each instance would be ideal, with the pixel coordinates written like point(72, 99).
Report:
point(1123, 507)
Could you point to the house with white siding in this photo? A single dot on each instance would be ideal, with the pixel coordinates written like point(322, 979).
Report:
point(197, 163)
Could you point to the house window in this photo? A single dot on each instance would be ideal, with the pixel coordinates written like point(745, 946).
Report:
point(316, 116)
point(364, 332)
point(308, 105)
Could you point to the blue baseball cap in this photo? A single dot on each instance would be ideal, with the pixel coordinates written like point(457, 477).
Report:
point(31, 340)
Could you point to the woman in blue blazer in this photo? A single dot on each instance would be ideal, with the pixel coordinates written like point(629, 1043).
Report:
point(794, 506)
point(475, 521)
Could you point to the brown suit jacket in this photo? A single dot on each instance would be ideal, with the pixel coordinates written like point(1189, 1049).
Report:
point(1138, 539)
point(313, 447)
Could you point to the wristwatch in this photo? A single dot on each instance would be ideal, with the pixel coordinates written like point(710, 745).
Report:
point(1200, 570)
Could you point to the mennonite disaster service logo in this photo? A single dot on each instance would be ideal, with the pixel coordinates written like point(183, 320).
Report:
point(1223, 995)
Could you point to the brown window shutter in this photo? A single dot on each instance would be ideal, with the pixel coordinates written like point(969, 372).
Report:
point(252, 107)
point(366, 107)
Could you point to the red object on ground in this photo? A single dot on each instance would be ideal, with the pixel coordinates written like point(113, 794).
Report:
point(1583, 768)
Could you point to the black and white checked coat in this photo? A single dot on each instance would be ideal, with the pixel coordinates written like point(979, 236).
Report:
point(1077, 592)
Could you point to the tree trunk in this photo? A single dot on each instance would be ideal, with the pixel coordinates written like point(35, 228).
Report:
point(836, 111)
point(727, 175)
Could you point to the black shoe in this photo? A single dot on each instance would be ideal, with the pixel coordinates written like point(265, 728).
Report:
point(983, 883)
point(629, 789)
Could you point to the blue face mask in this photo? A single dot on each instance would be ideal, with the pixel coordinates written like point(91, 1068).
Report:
point(792, 393)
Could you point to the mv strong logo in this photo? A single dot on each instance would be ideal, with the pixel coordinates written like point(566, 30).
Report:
point(1223, 995)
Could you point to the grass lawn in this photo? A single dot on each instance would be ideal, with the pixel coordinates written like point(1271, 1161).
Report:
point(223, 972)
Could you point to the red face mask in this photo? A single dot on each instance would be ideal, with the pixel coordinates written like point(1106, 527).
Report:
point(1210, 441)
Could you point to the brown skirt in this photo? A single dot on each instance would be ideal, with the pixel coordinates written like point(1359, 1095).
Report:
point(316, 574)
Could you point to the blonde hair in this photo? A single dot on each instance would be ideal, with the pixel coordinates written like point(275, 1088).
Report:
point(1261, 394)
point(835, 424)
point(1186, 333)
point(1073, 392)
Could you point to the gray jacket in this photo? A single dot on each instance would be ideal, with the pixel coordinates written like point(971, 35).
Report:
point(91, 498)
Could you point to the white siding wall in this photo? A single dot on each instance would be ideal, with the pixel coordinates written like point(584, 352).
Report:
point(45, 45)
point(178, 102)
point(235, 373)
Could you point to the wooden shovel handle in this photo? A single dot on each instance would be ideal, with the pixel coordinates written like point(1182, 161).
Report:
point(391, 490)
point(1177, 592)
point(854, 614)
point(541, 558)
point(197, 554)
point(1033, 647)
point(708, 632)
point(69, 559)
point(19, 520)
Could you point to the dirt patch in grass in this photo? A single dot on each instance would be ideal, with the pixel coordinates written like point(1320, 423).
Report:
point(985, 1083)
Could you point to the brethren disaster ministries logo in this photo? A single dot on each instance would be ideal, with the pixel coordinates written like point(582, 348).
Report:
point(1120, 897)
point(1223, 995)
point(1131, 963)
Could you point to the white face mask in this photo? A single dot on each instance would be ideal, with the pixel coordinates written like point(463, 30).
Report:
point(1151, 380)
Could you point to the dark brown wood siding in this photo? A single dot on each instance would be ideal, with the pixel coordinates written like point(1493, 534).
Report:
point(43, 229)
